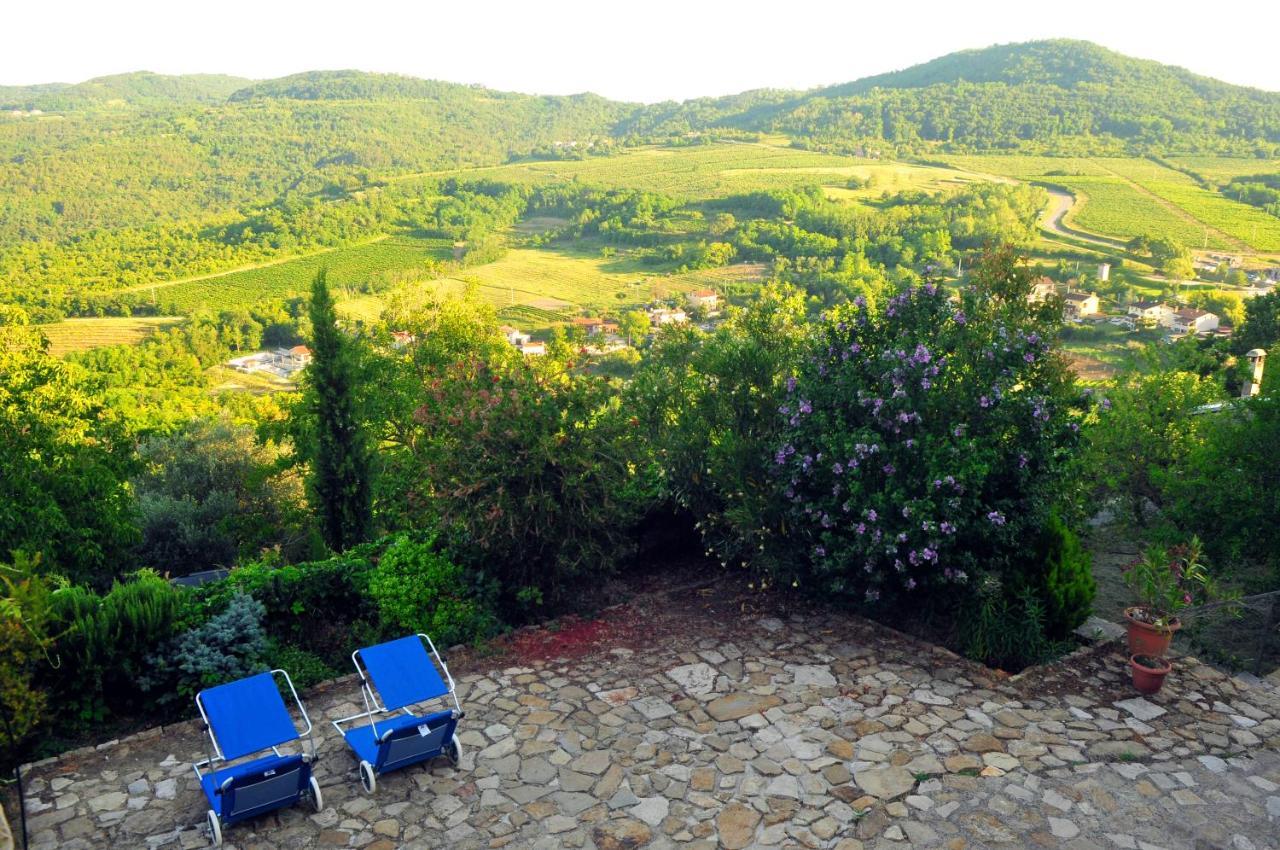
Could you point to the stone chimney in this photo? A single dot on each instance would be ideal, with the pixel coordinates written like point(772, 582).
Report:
point(1257, 357)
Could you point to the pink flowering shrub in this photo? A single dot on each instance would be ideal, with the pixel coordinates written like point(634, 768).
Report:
point(924, 440)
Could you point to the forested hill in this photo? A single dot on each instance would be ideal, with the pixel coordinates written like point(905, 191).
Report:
point(138, 89)
point(1055, 96)
point(314, 135)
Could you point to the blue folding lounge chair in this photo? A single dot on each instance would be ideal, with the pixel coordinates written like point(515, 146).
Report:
point(401, 673)
point(246, 718)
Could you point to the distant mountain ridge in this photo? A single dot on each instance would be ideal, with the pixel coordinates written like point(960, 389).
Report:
point(1049, 96)
point(139, 88)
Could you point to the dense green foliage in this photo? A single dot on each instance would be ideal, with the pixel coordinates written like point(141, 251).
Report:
point(707, 404)
point(527, 467)
point(64, 462)
point(209, 496)
point(418, 589)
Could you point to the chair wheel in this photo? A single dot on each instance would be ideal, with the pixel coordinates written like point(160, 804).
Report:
point(367, 777)
point(317, 799)
point(215, 828)
point(453, 752)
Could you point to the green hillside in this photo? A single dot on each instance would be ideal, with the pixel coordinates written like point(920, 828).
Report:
point(1047, 95)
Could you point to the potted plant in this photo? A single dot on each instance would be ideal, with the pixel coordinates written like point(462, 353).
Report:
point(1166, 582)
point(1149, 672)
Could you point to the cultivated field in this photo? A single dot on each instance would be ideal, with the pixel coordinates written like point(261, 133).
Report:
point(711, 171)
point(1126, 196)
point(348, 267)
point(84, 334)
point(1220, 169)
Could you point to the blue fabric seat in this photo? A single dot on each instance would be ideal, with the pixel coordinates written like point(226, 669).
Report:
point(396, 675)
point(402, 740)
point(251, 788)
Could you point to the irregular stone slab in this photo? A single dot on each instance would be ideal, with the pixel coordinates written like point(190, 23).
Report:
point(1140, 708)
point(595, 762)
point(1118, 749)
point(813, 675)
point(696, 679)
point(886, 783)
point(619, 696)
point(625, 834)
point(653, 708)
point(982, 743)
point(738, 705)
point(652, 810)
point(736, 824)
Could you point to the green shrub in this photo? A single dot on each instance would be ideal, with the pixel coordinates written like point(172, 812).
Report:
point(305, 668)
point(528, 470)
point(1069, 587)
point(312, 604)
point(1004, 630)
point(418, 589)
point(229, 646)
point(26, 596)
point(105, 640)
point(925, 440)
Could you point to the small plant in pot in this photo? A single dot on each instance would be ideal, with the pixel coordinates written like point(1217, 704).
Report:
point(1149, 672)
point(1166, 582)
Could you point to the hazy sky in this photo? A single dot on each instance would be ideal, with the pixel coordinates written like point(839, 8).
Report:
point(649, 50)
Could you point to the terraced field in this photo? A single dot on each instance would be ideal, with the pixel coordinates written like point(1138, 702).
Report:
point(84, 334)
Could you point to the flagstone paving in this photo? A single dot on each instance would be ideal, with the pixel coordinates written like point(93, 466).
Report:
point(732, 727)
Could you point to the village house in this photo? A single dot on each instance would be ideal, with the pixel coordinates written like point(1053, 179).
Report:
point(529, 348)
point(1151, 313)
point(666, 315)
point(1042, 289)
point(1194, 322)
point(514, 336)
point(1081, 304)
point(704, 299)
point(283, 362)
point(399, 339)
point(590, 325)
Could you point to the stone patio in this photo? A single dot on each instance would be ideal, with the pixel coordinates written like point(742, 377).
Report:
point(719, 723)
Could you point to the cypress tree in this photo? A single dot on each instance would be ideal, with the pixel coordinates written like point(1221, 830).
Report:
point(339, 484)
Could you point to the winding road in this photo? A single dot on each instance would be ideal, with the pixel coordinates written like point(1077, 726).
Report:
point(1052, 220)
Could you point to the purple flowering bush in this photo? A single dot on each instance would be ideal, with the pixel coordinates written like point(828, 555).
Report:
point(924, 440)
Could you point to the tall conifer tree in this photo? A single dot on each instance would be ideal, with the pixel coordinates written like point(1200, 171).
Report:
point(339, 485)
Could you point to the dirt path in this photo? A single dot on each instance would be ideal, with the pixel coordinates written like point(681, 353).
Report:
point(1053, 220)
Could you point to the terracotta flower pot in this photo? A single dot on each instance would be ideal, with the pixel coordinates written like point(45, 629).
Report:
point(1148, 672)
point(1146, 639)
